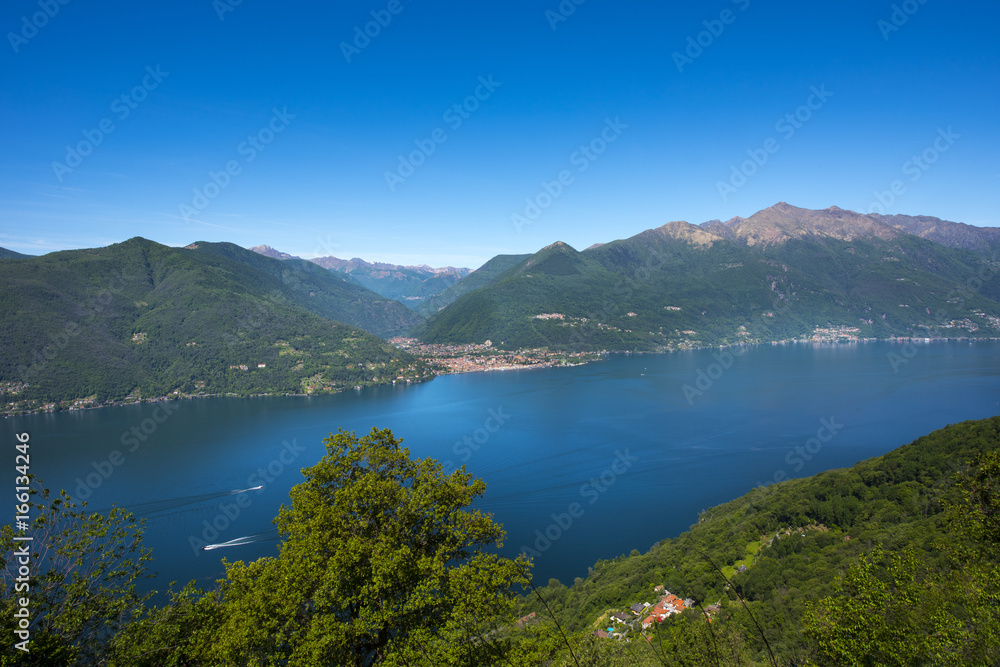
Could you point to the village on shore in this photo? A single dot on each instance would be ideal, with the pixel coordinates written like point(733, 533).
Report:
point(476, 357)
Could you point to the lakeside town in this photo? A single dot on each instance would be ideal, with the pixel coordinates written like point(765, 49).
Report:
point(479, 357)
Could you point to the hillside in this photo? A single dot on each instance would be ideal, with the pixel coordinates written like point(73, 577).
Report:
point(325, 293)
point(10, 254)
point(409, 285)
point(143, 320)
point(484, 275)
point(794, 541)
point(784, 273)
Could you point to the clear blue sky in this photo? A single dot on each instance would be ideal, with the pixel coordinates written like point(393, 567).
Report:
point(319, 186)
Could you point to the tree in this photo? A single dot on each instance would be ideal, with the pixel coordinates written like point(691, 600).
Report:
point(383, 562)
point(82, 572)
point(893, 612)
point(179, 634)
point(976, 555)
point(886, 614)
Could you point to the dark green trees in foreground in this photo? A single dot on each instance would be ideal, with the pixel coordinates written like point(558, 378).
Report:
point(384, 563)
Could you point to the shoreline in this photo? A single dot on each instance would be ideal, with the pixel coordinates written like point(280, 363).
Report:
point(81, 404)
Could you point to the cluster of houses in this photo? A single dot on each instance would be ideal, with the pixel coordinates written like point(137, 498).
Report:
point(668, 605)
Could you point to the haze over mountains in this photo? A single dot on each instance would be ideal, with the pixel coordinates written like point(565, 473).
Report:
point(138, 314)
point(409, 285)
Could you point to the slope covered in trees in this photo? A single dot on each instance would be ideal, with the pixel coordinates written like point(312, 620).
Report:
point(141, 317)
point(906, 541)
point(784, 273)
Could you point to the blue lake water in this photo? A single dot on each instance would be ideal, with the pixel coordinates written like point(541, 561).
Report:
point(619, 451)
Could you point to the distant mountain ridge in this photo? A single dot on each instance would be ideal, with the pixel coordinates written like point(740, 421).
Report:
point(783, 222)
point(951, 234)
point(783, 273)
point(409, 285)
point(10, 254)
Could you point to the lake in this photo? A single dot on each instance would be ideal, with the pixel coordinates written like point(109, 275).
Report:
point(581, 463)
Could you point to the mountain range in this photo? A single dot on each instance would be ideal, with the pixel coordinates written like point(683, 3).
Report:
point(139, 316)
point(783, 273)
point(410, 285)
point(138, 319)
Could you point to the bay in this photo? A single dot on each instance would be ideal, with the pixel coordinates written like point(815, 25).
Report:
point(581, 463)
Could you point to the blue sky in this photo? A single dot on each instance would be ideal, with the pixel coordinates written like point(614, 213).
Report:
point(288, 136)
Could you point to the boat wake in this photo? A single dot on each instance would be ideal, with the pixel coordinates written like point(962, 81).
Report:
point(157, 507)
point(268, 536)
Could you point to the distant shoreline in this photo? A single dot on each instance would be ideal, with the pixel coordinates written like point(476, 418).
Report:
point(80, 404)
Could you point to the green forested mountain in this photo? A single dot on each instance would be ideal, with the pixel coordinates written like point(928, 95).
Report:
point(484, 275)
point(787, 547)
point(781, 274)
point(209, 318)
point(10, 254)
point(326, 293)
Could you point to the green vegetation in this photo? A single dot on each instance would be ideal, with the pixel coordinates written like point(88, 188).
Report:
point(481, 277)
point(325, 293)
point(900, 550)
point(138, 319)
point(383, 562)
point(84, 596)
point(680, 286)
point(10, 254)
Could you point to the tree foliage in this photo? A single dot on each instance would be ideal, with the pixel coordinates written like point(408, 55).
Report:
point(82, 584)
point(382, 562)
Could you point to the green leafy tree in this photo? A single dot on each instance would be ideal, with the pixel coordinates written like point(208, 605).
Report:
point(885, 615)
point(976, 518)
point(382, 562)
point(83, 569)
point(179, 634)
